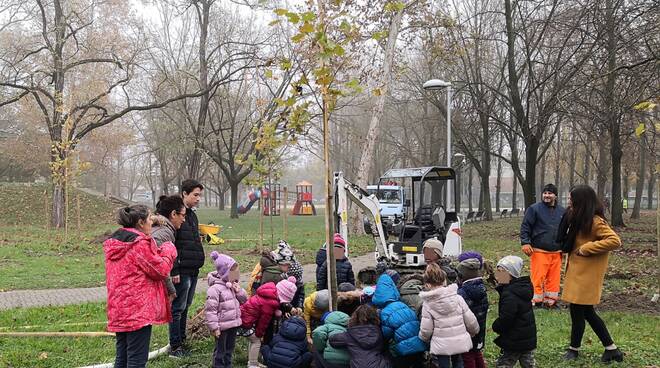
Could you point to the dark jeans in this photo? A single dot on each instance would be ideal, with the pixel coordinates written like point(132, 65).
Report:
point(133, 348)
point(224, 348)
point(185, 291)
point(447, 361)
point(579, 313)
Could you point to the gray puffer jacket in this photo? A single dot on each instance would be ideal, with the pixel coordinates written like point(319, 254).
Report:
point(163, 231)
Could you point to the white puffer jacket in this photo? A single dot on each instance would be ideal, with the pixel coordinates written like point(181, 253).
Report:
point(447, 321)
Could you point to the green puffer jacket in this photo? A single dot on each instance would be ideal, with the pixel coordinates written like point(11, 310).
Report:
point(335, 322)
point(410, 287)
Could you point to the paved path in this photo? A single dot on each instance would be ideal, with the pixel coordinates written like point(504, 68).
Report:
point(38, 298)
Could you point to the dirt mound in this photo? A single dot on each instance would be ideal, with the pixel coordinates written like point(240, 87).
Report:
point(632, 252)
point(630, 302)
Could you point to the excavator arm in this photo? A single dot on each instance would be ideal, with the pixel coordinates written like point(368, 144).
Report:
point(345, 191)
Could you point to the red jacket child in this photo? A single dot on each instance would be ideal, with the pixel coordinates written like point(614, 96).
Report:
point(261, 308)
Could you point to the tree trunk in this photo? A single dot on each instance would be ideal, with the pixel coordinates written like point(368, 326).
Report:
point(203, 18)
point(485, 173)
point(542, 182)
point(458, 191)
point(601, 170)
point(571, 174)
point(470, 176)
point(233, 190)
point(613, 122)
point(529, 187)
point(221, 200)
point(557, 161)
point(650, 188)
point(587, 164)
point(639, 188)
point(498, 184)
point(514, 192)
point(373, 134)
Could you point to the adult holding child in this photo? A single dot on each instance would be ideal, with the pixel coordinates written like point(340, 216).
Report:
point(588, 239)
point(136, 269)
point(170, 215)
point(186, 269)
point(537, 236)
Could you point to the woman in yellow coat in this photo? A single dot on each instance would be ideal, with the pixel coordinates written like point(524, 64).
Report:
point(588, 240)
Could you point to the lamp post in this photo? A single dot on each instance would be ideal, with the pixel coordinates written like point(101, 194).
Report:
point(438, 84)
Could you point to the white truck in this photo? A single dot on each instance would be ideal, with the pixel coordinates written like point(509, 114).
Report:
point(393, 204)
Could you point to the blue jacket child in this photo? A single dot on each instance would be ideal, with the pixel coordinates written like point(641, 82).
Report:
point(398, 321)
point(288, 349)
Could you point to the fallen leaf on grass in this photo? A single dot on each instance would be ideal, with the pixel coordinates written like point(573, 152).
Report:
point(43, 355)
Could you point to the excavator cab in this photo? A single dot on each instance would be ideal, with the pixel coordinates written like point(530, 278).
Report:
point(429, 214)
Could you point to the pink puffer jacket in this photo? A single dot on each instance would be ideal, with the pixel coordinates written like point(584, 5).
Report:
point(223, 302)
point(447, 321)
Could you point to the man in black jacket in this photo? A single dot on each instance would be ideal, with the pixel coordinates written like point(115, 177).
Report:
point(186, 267)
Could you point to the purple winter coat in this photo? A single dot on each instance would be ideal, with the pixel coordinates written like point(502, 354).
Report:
point(222, 308)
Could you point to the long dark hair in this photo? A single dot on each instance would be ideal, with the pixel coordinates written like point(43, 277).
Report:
point(584, 206)
point(167, 204)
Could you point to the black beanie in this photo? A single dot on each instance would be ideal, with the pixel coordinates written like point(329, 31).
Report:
point(550, 188)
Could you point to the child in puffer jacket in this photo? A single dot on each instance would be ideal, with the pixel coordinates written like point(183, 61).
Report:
point(288, 349)
point(325, 354)
point(222, 308)
point(410, 287)
point(284, 254)
point(473, 291)
point(364, 340)
point(257, 313)
point(399, 324)
point(447, 321)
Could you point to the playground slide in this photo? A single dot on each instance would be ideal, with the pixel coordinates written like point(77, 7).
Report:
point(252, 197)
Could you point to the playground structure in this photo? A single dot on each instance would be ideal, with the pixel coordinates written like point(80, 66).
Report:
point(276, 198)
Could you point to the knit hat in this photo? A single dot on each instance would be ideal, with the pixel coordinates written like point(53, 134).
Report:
point(284, 253)
point(471, 254)
point(223, 264)
point(394, 275)
point(435, 244)
point(339, 241)
point(322, 300)
point(550, 188)
point(346, 286)
point(512, 264)
point(469, 269)
point(286, 289)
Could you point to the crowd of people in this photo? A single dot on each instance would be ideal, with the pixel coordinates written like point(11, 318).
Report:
point(437, 318)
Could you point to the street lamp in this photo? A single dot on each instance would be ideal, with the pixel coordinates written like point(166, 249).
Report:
point(438, 84)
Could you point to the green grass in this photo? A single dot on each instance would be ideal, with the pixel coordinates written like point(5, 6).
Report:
point(637, 335)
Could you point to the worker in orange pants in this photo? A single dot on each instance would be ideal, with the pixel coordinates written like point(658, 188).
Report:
point(537, 236)
point(545, 268)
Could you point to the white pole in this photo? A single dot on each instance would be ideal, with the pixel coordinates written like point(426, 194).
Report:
point(449, 91)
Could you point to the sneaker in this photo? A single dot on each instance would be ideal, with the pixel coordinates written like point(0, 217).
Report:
point(610, 355)
point(178, 353)
point(570, 354)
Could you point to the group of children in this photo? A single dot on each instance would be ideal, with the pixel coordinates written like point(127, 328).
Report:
point(393, 323)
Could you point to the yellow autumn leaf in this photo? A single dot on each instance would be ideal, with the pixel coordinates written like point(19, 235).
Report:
point(640, 130)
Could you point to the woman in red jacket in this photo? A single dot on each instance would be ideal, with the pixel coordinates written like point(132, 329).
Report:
point(137, 298)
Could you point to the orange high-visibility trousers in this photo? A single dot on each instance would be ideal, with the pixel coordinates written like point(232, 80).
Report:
point(546, 273)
